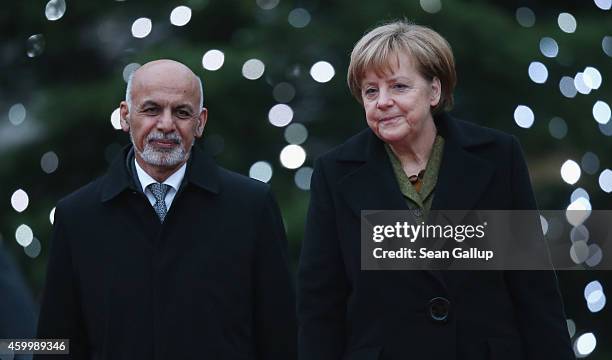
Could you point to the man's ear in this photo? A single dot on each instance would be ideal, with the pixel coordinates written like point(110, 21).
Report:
point(124, 113)
point(436, 91)
point(199, 130)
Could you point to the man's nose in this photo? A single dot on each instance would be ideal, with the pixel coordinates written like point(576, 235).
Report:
point(165, 122)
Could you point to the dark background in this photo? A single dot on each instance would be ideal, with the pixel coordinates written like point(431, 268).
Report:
point(73, 82)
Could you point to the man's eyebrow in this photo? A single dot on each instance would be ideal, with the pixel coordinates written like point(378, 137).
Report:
point(148, 103)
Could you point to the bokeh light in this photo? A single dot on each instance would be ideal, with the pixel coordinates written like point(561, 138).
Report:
point(570, 172)
point(261, 171)
point(525, 17)
point(603, 4)
point(523, 116)
point(549, 47)
point(557, 128)
point(595, 256)
point(17, 114)
point(296, 133)
point(566, 22)
point(302, 178)
point(55, 9)
point(538, 72)
point(292, 156)
point(590, 163)
point(24, 235)
point(280, 115)
point(49, 162)
point(180, 15)
point(20, 200)
point(571, 327)
point(283, 92)
point(141, 27)
point(606, 129)
point(128, 70)
point(566, 85)
point(601, 112)
point(267, 4)
point(115, 119)
point(35, 45)
point(585, 344)
point(579, 193)
point(52, 216)
point(322, 71)
point(213, 60)
point(33, 249)
point(605, 180)
point(580, 84)
point(299, 18)
point(606, 45)
point(431, 6)
point(253, 69)
point(592, 77)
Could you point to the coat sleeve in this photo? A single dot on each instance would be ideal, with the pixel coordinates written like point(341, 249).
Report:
point(323, 286)
point(535, 294)
point(274, 294)
point(61, 313)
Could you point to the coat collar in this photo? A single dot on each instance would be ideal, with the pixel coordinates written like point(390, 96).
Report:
point(461, 179)
point(201, 171)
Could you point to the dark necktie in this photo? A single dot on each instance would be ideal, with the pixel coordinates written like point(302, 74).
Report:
point(159, 191)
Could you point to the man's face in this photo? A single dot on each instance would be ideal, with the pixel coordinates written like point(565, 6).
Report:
point(165, 117)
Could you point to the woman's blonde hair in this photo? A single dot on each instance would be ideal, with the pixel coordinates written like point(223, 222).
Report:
point(378, 51)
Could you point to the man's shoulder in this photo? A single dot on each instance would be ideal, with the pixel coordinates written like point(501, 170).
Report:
point(86, 195)
point(240, 184)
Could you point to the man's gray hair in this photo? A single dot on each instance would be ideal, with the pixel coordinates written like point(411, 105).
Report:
point(128, 92)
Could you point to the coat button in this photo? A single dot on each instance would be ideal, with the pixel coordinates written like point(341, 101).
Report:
point(439, 308)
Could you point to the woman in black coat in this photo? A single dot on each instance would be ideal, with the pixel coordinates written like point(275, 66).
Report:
point(415, 156)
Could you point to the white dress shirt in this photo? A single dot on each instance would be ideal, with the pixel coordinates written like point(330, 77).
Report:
point(173, 180)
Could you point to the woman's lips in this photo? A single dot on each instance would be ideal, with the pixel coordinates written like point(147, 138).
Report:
point(389, 119)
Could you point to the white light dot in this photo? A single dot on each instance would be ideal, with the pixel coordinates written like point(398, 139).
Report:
point(581, 85)
point(302, 178)
point(597, 306)
point(20, 200)
point(17, 114)
point(592, 77)
point(33, 249)
point(280, 115)
point(115, 119)
point(55, 9)
point(525, 17)
point(579, 193)
point(604, 4)
point(322, 71)
point(577, 212)
point(606, 45)
point(544, 224)
point(567, 22)
point(585, 344)
point(523, 116)
point(579, 252)
point(570, 172)
point(566, 85)
point(253, 69)
point(261, 171)
point(549, 47)
point(431, 6)
point(591, 287)
point(180, 16)
point(213, 60)
point(128, 70)
point(49, 162)
point(296, 133)
point(52, 216)
point(141, 27)
point(605, 180)
point(292, 156)
point(267, 4)
point(24, 235)
point(538, 72)
point(601, 112)
point(595, 256)
point(299, 18)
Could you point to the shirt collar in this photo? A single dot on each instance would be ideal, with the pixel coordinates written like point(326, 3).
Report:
point(173, 180)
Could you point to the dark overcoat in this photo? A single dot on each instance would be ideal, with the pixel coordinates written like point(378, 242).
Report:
point(211, 282)
point(347, 313)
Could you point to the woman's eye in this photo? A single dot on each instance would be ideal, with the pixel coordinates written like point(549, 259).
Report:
point(370, 92)
point(400, 86)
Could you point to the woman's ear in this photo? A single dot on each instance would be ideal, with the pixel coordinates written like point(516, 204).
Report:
point(436, 91)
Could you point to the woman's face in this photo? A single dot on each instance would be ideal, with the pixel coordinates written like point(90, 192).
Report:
point(398, 103)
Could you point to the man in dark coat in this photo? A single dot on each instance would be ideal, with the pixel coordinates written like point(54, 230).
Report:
point(169, 256)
